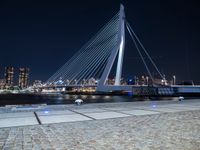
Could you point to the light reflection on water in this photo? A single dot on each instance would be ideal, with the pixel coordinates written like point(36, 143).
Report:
point(11, 99)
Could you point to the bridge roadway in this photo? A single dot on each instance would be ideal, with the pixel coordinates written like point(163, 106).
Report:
point(66, 86)
point(173, 90)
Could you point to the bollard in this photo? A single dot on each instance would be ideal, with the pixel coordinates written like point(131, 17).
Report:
point(78, 102)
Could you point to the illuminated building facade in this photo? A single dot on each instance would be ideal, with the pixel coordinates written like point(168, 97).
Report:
point(2, 83)
point(9, 73)
point(37, 83)
point(23, 77)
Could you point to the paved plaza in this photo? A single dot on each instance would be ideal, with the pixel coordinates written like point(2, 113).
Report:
point(147, 125)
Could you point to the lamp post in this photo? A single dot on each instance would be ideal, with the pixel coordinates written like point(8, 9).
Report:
point(174, 79)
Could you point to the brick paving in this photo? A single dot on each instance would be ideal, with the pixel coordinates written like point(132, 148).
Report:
point(174, 130)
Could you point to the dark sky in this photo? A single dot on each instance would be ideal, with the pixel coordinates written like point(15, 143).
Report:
point(43, 35)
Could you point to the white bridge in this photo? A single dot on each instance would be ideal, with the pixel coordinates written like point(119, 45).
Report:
point(92, 64)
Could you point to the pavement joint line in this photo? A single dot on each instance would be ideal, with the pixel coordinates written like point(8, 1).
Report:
point(83, 114)
point(38, 119)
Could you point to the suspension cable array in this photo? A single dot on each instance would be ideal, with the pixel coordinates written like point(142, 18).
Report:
point(89, 62)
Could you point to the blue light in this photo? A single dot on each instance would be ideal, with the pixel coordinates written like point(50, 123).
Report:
point(154, 106)
point(46, 112)
point(130, 94)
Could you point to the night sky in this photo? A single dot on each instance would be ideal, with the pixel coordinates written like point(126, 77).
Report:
point(43, 35)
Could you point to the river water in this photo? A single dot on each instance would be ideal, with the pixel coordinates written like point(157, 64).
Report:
point(14, 99)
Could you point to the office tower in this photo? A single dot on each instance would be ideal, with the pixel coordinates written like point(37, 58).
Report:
point(2, 83)
point(23, 77)
point(9, 73)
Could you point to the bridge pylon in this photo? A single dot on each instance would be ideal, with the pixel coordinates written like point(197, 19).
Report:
point(118, 49)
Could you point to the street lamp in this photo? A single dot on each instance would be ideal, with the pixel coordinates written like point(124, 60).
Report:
point(174, 79)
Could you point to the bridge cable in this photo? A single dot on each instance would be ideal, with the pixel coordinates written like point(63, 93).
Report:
point(142, 46)
point(82, 54)
point(136, 45)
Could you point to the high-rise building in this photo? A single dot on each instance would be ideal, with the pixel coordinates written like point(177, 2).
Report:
point(2, 83)
point(23, 77)
point(9, 73)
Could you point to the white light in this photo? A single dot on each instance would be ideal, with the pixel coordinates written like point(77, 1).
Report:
point(119, 64)
point(154, 106)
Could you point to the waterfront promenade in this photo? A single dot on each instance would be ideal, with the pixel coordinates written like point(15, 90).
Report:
point(147, 125)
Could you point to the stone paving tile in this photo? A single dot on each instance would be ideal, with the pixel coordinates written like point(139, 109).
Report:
point(106, 115)
point(89, 110)
point(171, 131)
point(172, 108)
point(11, 122)
point(178, 105)
point(118, 108)
point(25, 108)
point(195, 104)
point(54, 112)
point(163, 131)
point(16, 115)
point(184, 108)
point(140, 112)
point(186, 105)
point(62, 118)
point(163, 109)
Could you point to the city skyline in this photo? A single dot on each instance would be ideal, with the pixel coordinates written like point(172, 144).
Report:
point(15, 77)
point(45, 39)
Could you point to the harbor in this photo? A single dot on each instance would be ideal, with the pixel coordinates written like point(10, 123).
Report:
point(89, 75)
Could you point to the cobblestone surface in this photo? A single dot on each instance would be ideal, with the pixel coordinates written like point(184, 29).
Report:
point(174, 131)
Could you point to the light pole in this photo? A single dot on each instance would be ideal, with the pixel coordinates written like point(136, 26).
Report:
point(147, 79)
point(174, 79)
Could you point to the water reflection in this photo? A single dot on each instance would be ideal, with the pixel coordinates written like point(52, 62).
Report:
point(106, 97)
point(83, 96)
point(11, 99)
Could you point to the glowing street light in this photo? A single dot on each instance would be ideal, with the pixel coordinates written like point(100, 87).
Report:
point(174, 79)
